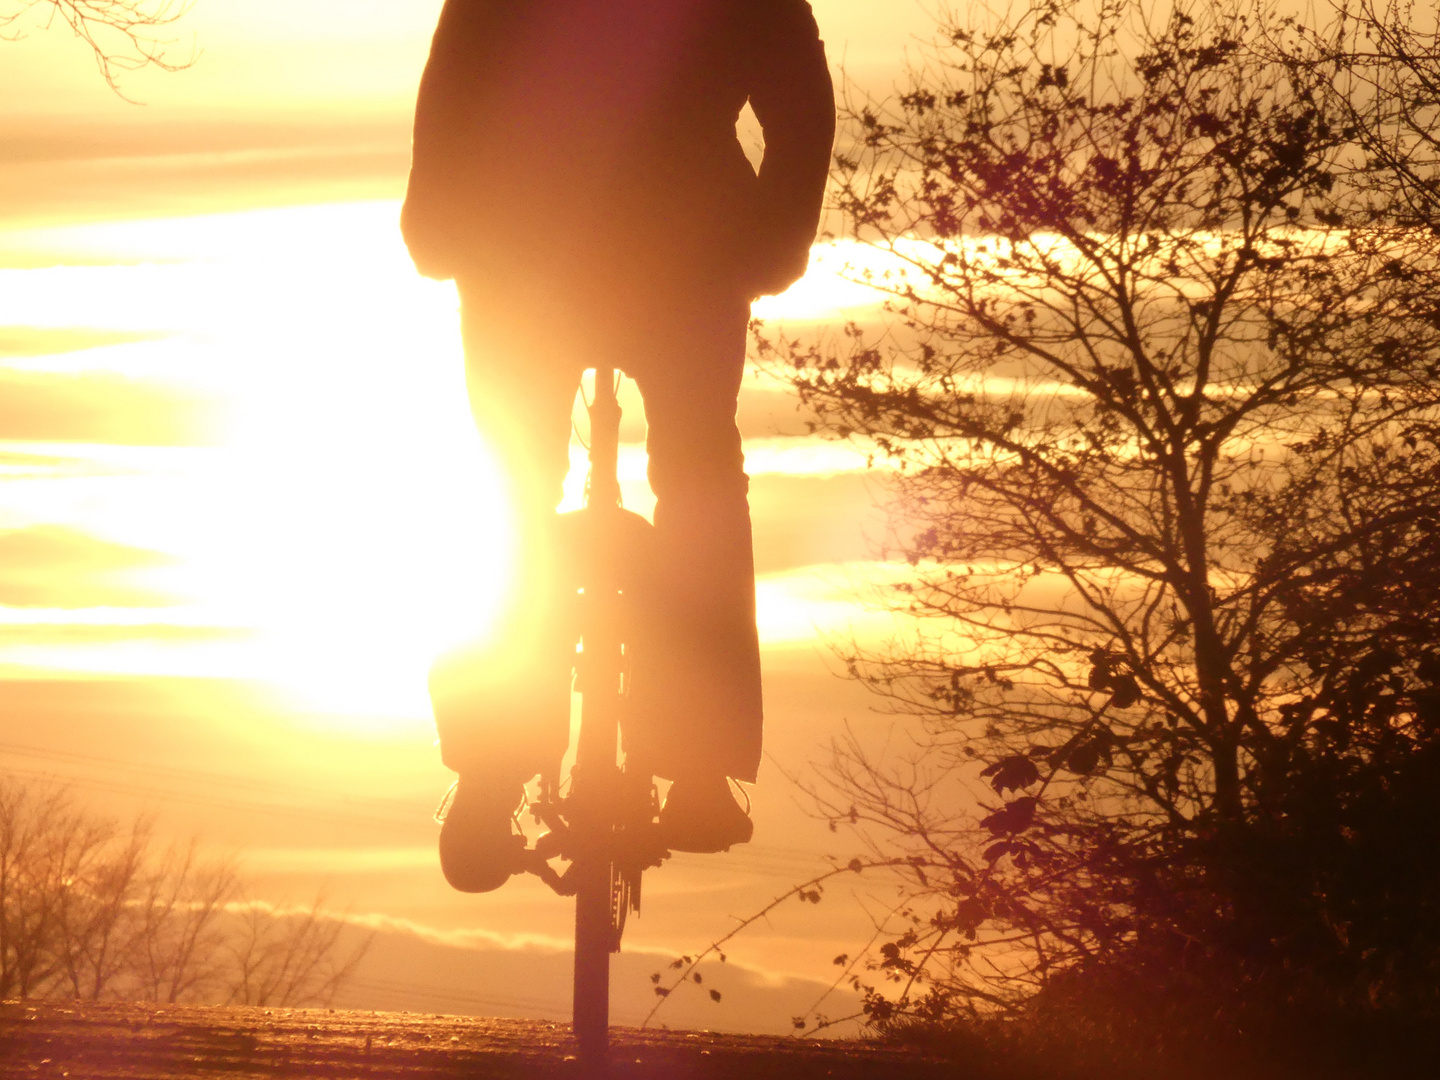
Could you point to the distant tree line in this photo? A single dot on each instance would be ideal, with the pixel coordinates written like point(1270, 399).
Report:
point(94, 909)
point(1159, 372)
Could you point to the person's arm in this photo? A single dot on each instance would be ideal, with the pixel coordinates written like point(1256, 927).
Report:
point(794, 100)
point(438, 200)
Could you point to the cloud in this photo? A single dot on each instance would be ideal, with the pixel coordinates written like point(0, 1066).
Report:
point(802, 520)
point(54, 567)
point(410, 966)
point(35, 635)
point(27, 341)
point(102, 408)
point(62, 172)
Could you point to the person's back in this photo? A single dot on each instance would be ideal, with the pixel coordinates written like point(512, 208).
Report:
point(593, 141)
point(577, 171)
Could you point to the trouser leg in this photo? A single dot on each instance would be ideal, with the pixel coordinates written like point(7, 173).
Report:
point(695, 700)
point(502, 709)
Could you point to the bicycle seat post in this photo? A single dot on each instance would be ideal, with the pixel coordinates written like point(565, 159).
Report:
point(603, 491)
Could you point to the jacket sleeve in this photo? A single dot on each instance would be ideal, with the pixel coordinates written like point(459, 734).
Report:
point(447, 113)
point(794, 100)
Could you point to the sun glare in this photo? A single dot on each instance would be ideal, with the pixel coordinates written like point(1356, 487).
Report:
point(340, 522)
point(347, 521)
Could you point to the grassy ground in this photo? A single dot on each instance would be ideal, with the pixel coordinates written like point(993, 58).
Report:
point(84, 1041)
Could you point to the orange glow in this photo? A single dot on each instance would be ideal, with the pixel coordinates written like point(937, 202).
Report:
point(338, 522)
point(235, 445)
point(327, 520)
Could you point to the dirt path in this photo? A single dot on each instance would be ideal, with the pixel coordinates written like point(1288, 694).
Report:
point(103, 1041)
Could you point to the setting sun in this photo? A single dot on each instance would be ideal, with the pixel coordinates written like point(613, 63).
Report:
point(340, 521)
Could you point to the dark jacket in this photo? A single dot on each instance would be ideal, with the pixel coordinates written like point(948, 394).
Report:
point(589, 146)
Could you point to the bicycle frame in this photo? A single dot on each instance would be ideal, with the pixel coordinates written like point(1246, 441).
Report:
point(605, 825)
point(596, 778)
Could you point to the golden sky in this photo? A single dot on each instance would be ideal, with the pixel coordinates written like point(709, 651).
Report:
point(284, 56)
point(286, 102)
point(242, 504)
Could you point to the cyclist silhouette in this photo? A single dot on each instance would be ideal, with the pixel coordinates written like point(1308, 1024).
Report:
point(576, 170)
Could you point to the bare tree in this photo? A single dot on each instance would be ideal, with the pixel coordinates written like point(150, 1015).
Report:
point(96, 931)
point(179, 907)
point(123, 35)
point(48, 849)
point(1162, 386)
point(91, 910)
point(1379, 62)
point(287, 958)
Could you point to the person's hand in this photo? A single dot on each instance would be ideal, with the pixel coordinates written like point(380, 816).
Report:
point(434, 268)
point(431, 244)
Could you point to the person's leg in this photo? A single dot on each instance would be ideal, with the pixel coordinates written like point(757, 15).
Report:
point(695, 712)
point(503, 709)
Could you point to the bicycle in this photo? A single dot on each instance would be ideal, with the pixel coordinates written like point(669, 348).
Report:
point(606, 824)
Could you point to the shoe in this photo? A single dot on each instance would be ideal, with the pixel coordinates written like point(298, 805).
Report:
point(700, 815)
point(479, 847)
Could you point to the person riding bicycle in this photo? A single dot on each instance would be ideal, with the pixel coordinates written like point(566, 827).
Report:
point(576, 170)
